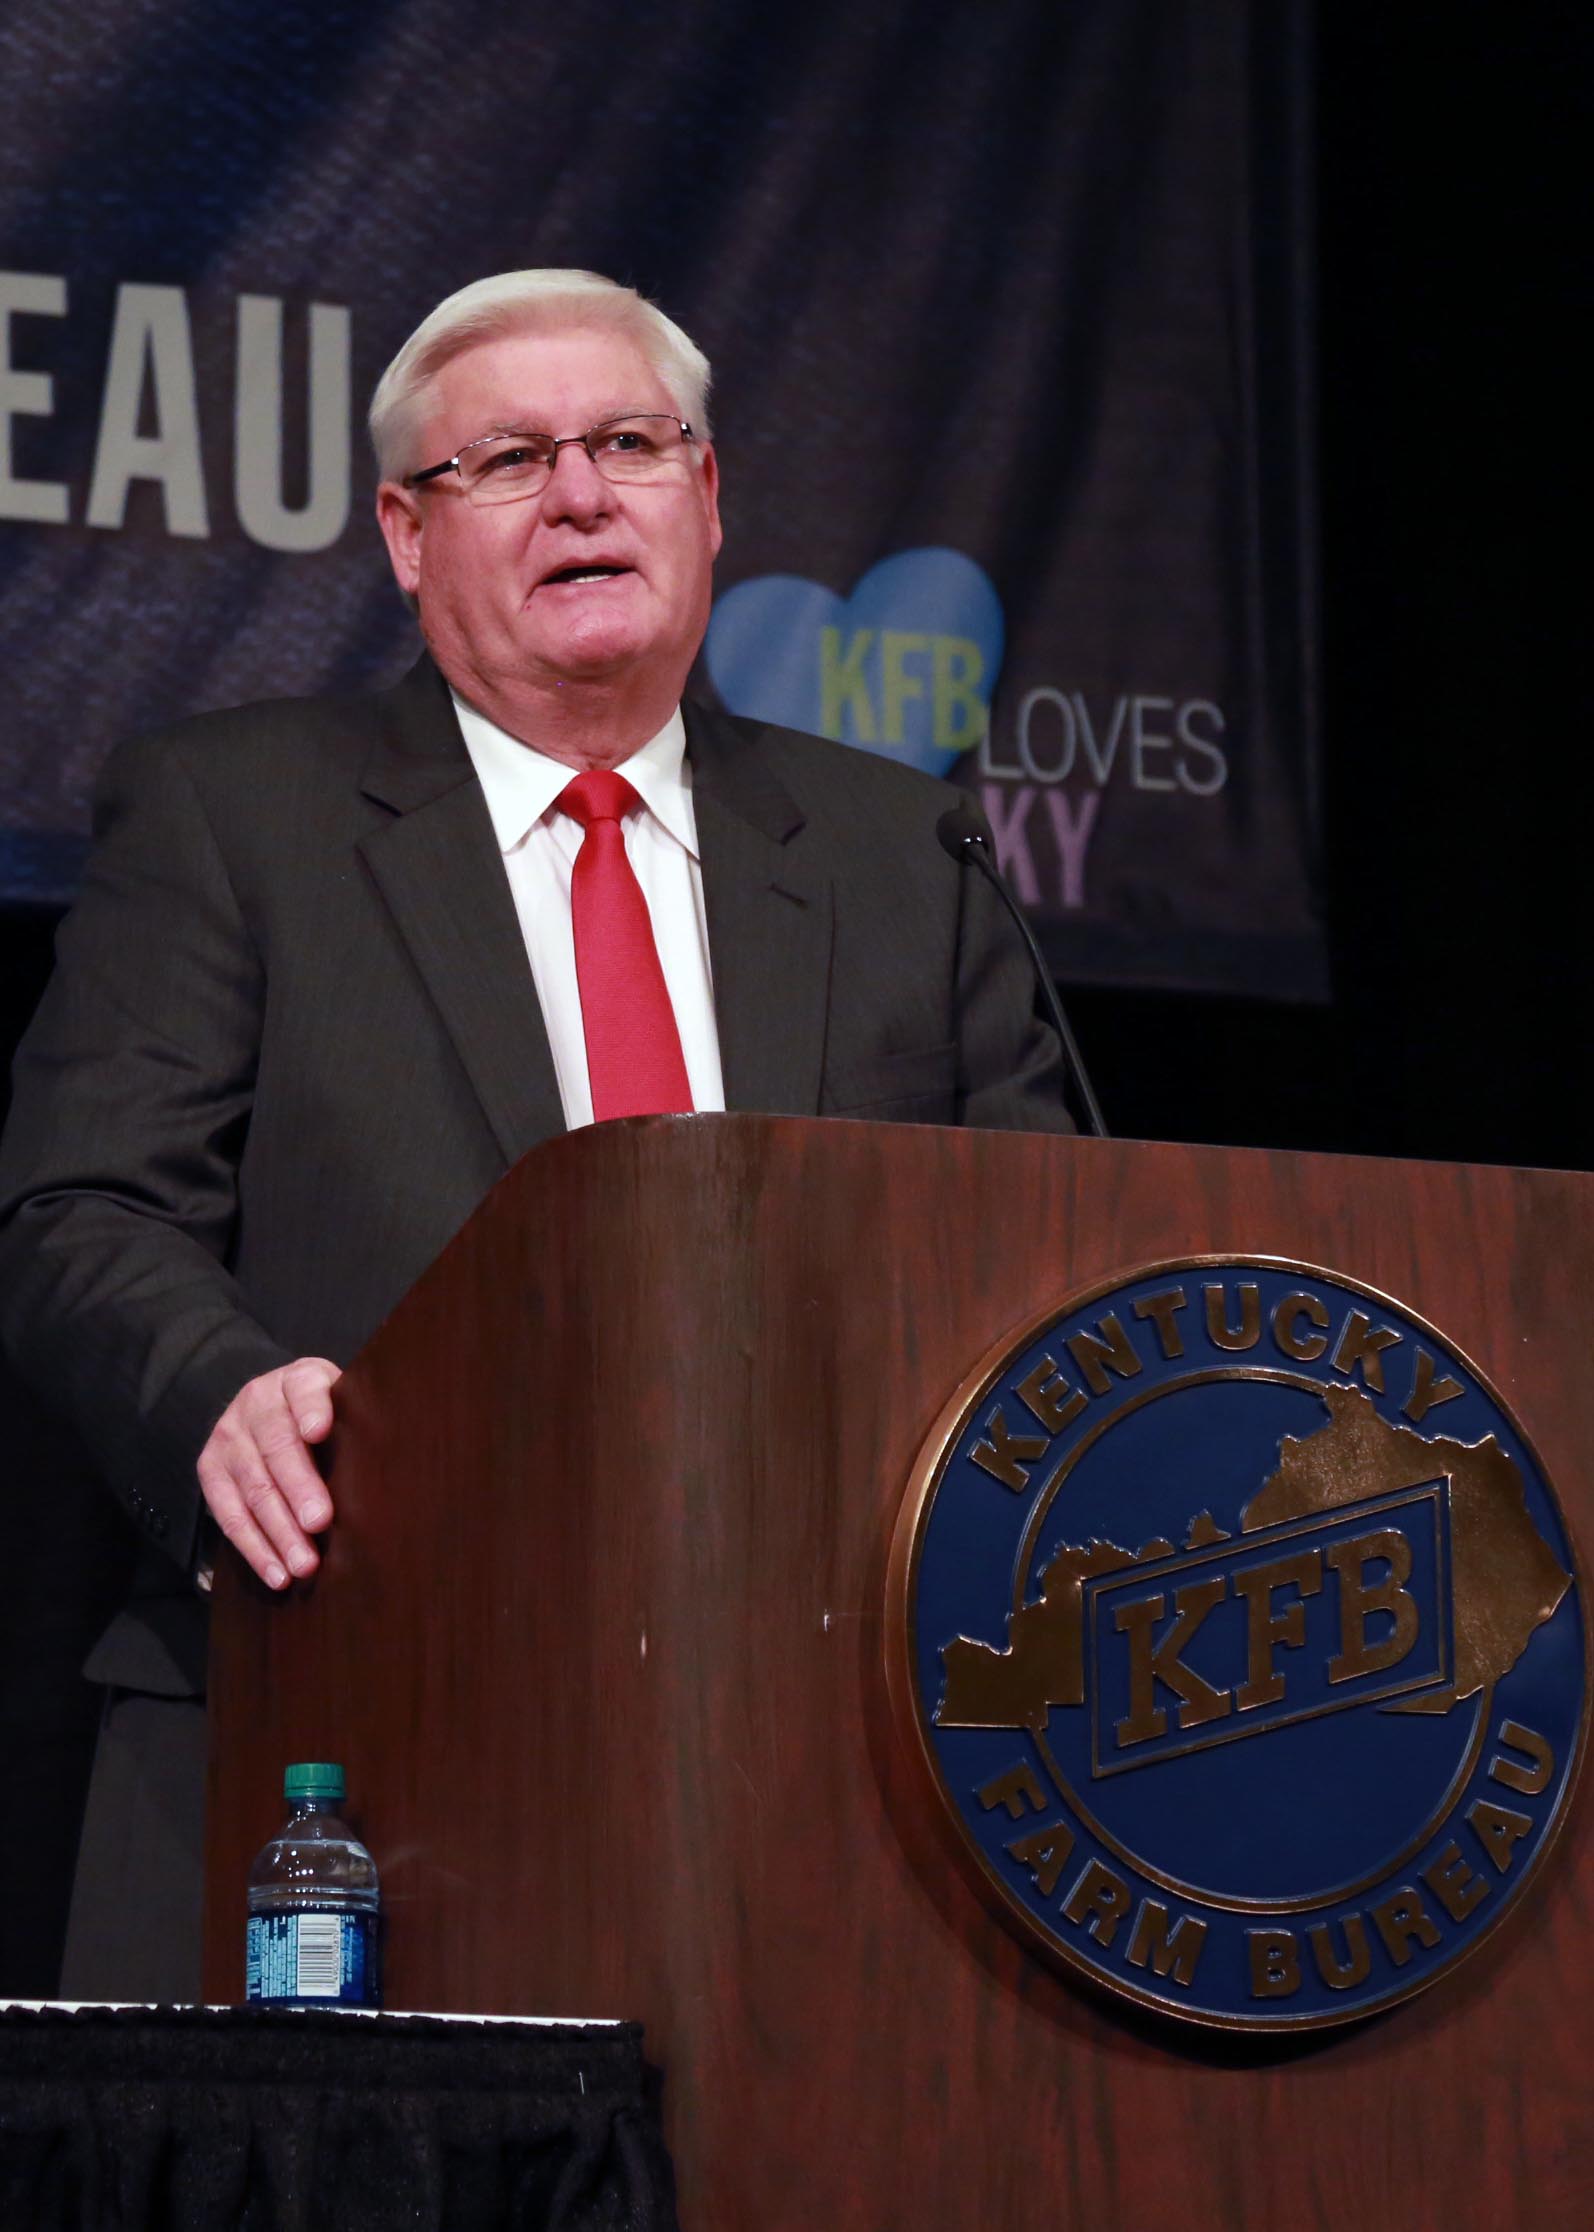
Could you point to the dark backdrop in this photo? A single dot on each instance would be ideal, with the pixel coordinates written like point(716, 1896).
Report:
point(1451, 231)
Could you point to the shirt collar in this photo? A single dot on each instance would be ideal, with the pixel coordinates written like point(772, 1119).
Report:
point(521, 784)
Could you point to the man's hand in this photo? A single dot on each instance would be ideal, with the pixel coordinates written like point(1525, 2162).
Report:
point(256, 1473)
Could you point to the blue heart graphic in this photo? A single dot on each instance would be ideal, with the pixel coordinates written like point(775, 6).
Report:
point(905, 666)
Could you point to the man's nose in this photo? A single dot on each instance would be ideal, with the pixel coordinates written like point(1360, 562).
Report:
point(576, 489)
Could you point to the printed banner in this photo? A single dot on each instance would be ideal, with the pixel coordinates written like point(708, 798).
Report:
point(1009, 313)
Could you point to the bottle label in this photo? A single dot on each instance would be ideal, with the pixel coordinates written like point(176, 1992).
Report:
point(327, 1959)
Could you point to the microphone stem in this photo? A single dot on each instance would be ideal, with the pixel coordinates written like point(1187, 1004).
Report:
point(975, 850)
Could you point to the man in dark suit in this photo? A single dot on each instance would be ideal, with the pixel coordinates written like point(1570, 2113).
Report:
point(337, 964)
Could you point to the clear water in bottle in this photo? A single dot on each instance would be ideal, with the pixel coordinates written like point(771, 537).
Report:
point(314, 1903)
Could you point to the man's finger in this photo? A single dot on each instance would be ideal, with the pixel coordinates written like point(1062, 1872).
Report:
point(307, 1387)
point(231, 1513)
point(272, 1513)
point(287, 1462)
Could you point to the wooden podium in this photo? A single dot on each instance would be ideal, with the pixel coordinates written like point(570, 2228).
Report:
point(599, 1639)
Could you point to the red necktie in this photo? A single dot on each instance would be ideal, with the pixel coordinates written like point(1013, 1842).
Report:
point(634, 1059)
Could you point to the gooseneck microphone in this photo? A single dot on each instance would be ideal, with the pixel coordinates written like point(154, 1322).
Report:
point(962, 834)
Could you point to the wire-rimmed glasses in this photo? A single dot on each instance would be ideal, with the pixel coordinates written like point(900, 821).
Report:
point(500, 468)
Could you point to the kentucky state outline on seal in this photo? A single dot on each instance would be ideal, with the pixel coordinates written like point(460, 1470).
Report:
point(1242, 1635)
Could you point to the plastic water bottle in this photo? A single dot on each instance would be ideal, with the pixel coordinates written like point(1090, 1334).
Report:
point(313, 1903)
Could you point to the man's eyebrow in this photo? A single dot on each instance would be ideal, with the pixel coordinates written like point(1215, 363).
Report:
point(609, 411)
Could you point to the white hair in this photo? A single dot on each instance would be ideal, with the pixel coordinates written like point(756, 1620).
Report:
point(527, 302)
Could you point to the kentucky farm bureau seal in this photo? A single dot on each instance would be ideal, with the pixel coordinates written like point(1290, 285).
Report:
point(1242, 1635)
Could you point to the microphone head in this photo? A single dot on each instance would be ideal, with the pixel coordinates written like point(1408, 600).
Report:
point(959, 830)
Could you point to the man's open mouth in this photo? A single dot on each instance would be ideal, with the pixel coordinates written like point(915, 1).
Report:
point(567, 574)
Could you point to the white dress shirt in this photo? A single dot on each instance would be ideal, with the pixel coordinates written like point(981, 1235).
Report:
point(539, 845)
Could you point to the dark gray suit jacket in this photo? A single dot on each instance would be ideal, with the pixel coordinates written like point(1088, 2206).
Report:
point(292, 1040)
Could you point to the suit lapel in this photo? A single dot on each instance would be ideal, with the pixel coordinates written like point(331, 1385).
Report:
point(769, 922)
point(438, 867)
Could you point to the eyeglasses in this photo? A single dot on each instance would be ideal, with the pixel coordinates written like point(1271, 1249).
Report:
point(501, 468)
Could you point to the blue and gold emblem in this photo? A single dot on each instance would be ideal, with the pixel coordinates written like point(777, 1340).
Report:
point(1241, 1633)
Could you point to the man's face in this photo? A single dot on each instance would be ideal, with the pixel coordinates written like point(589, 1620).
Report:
point(498, 604)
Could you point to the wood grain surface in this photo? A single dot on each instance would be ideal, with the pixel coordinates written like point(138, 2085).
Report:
point(598, 1638)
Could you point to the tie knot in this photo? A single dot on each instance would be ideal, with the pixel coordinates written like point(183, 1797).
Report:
point(598, 795)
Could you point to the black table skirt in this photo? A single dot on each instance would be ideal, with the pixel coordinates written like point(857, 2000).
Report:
point(275, 2120)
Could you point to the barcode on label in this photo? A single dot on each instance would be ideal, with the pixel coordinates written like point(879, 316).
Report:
point(320, 1956)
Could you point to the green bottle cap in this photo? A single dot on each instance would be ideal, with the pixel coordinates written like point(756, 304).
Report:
point(313, 1778)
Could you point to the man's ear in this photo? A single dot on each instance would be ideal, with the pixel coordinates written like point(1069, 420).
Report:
point(710, 485)
point(398, 514)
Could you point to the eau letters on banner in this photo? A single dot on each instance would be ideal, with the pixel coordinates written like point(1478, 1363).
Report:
point(147, 423)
